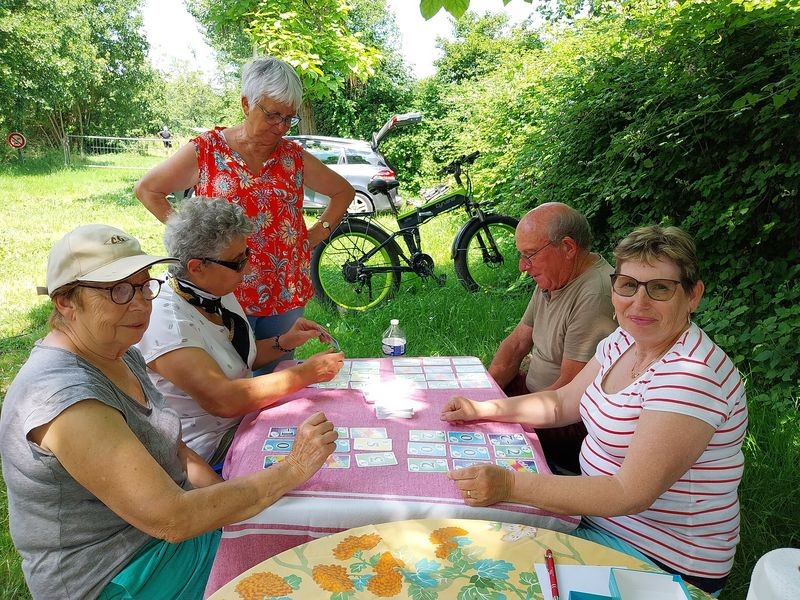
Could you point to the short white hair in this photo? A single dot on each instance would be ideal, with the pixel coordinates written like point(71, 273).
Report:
point(268, 77)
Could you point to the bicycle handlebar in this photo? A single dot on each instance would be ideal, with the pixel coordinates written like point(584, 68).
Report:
point(455, 165)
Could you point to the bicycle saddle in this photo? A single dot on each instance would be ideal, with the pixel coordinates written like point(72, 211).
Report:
point(382, 186)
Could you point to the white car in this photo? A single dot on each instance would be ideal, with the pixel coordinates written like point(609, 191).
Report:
point(359, 162)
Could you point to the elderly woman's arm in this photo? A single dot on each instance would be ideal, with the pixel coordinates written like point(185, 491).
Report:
point(177, 173)
point(664, 447)
point(96, 446)
point(323, 180)
point(195, 372)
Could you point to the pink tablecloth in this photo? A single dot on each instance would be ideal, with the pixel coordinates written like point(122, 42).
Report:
point(337, 499)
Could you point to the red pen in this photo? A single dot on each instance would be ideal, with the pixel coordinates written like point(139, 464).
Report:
point(551, 571)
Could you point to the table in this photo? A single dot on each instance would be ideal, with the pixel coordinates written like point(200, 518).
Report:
point(334, 500)
point(434, 558)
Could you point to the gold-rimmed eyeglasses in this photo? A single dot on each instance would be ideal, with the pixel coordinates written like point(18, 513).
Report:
point(528, 258)
point(276, 118)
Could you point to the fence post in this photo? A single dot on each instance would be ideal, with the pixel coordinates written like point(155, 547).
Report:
point(66, 150)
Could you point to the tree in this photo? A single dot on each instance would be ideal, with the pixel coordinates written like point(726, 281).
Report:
point(311, 36)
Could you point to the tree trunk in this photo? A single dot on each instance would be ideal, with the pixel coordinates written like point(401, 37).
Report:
point(307, 124)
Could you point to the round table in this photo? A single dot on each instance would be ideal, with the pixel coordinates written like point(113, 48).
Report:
point(428, 558)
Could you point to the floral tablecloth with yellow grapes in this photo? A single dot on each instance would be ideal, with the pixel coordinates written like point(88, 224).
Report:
point(428, 559)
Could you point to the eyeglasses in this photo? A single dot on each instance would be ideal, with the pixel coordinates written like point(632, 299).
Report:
point(660, 290)
point(276, 118)
point(233, 265)
point(123, 292)
point(528, 258)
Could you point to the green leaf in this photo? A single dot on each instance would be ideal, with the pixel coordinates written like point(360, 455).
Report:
point(293, 581)
point(457, 8)
point(429, 8)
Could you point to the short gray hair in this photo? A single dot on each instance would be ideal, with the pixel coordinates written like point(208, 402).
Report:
point(203, 228)
point(272, 78)
point(568, 222)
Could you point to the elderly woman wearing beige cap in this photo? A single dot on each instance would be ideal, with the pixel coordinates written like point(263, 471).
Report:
point(105, 500)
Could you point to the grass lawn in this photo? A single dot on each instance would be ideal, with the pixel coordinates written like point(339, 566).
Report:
point(42, 201)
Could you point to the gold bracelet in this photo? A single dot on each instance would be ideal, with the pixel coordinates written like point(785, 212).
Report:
point(277, 345)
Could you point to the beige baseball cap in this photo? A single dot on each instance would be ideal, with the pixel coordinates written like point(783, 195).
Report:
point(96, 253)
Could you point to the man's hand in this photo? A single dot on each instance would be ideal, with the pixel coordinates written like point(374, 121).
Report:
point(483, 485)
point(315, 442)
point(459, 409)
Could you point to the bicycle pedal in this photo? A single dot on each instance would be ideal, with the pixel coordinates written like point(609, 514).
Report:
point(440, 279)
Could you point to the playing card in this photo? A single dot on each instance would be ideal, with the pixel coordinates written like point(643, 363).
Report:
point(466, 360)
point(337, 461)
point(334, 343)
point(368, 432)
point(512, 464)
point(440, 377)
point(438, 369)
point(426, 435)
point(282, 432)
point(374, 445)
point(343, 432)
point(460, 463)
point(469, 369)
point(405, 362)
point(435, 360)
point(343, 446)
point(271, 459)
point(426, 449)
point(513, 452)
point(284, 446)
point(377, 459)
point(365, 365)
point(475, 383)
point(408, 370)
point(507, 439)
point(427, 465)
point(465, 437)
point(471, 452)
point(443, 385)
point(365, 376)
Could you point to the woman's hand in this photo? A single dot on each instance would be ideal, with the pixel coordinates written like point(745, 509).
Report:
point(459, 409)
point(315, 442)
point(322, 367)
point(302, 331)
point(483, 485)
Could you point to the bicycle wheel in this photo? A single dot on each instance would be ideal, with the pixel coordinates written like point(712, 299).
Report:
point(341, 276)
point(487, 258)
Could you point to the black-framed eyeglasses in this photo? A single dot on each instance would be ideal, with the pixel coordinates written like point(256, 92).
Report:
point(528, 258)
point(660, 290)
point(275, 118)
point(123, 292)
point(233, 265)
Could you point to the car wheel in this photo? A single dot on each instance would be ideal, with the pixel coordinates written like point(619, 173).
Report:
point(361, 205)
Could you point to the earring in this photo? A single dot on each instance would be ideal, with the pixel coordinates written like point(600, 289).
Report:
point(614, 316)
point(689, 318)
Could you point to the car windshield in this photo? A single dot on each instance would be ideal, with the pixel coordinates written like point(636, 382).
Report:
point(363, 157)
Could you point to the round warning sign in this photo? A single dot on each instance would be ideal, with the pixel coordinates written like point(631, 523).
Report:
point(16, 140)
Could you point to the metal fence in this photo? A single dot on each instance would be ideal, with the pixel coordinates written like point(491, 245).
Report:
point(103, 152)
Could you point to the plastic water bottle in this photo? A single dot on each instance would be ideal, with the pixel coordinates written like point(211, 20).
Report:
point(394, 340)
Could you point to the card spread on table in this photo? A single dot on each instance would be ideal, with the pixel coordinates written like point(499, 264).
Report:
point(471, 452)
point(364, 376)
point(278, 446)
point(366, 365)
point(513, 452)
point(440, 376)
point(426, 449)
point(427, 465)
point(398, 370)
point(507, 439)
point(342, 446)
point(512, 464)
point(435, 360)
point(469, 369)
point(271, 459)
point(373, 445)
point(282, 432)
point(438, 369)
point(446, 384)
point(368, 432)
point(406, 362)
point(337, 461)
point(426, 435)
point(377, 459)
point(343, 432)
point(460, 463)
point(465, 437)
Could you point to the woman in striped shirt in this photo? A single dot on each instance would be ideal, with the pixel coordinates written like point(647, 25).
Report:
point(666, 413)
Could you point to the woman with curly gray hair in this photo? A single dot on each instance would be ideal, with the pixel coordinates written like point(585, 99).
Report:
point(199, 347)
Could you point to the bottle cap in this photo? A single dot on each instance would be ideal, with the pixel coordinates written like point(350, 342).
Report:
point(394, 322)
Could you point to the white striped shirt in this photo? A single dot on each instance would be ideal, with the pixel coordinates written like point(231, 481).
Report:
point(693, 527)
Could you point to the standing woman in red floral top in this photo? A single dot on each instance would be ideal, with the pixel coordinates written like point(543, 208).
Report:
point(253, 165)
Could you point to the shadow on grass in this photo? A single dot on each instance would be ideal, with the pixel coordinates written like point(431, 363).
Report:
point(770, 489)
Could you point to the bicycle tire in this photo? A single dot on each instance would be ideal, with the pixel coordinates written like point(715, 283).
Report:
point(478, 265)
point(337, 263)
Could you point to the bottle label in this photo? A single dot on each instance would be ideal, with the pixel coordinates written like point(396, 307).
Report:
point(394, 346)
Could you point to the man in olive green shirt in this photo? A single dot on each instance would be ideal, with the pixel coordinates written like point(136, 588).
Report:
point(569, 313)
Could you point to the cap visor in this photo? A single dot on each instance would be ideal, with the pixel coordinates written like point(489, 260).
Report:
point(125, 267)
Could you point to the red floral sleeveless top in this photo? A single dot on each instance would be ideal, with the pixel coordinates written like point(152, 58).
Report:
point(280, 279)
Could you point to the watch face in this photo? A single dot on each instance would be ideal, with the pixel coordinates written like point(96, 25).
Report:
point(326, 225)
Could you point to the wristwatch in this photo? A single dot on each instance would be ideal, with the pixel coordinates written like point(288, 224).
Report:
point(326, 225)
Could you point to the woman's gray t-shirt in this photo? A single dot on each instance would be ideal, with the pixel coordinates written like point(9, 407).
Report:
point(72, 544)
